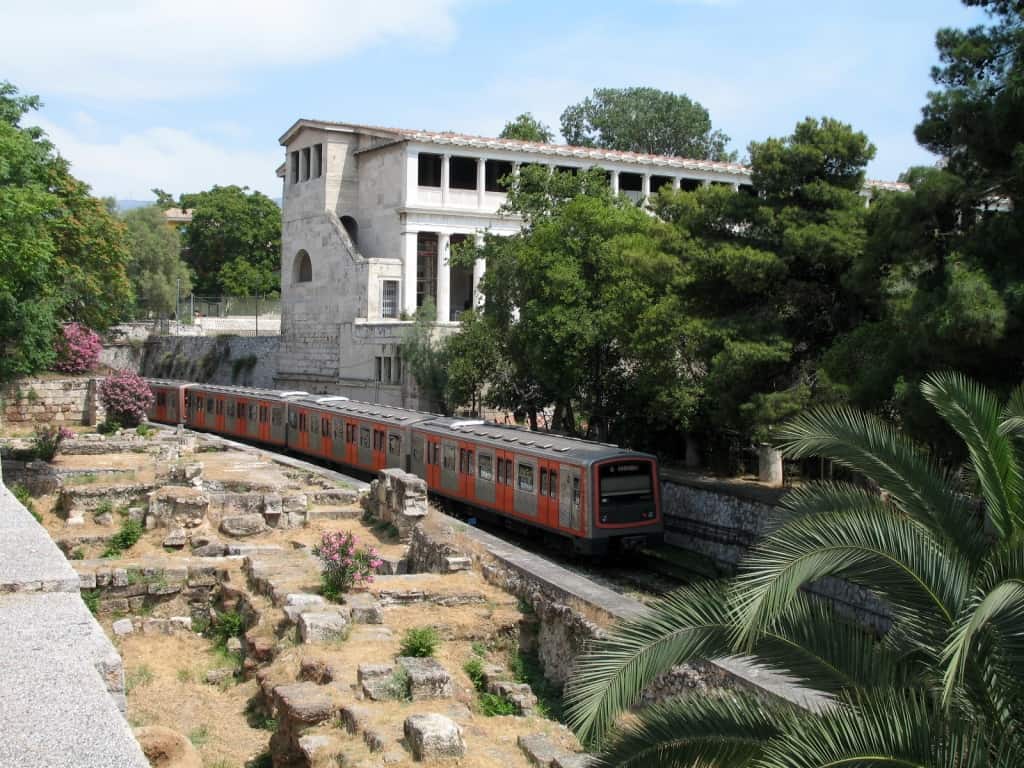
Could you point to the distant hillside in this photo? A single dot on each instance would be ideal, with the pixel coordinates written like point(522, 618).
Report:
point(127, 205)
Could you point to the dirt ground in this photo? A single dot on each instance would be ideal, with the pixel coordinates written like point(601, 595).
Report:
point(166, 676)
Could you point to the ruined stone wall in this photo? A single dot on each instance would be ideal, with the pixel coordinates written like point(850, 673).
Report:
point(244, 361)
point(65, 401)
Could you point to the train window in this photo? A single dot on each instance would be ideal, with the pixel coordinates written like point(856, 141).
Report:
point(525, 478)
point(161, 399)
point(575, 496)
point(394, 444)
point(231, 409)
point(303, 423)
point(209, 405)
point(188, 399)
point(364, 437)
point(219, 408)
point(350, 433)
point(293, 420)
point(275, 417)
point(543, 482)
point(314, 425)
point(448, 458)
point(469, 462)
point(553, 484)
point(264, 414)
point(252, 411)
point(485, 467)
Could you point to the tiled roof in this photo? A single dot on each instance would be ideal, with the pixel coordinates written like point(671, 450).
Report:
point(555, 150)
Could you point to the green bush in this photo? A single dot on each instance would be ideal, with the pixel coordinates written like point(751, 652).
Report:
point(227, 625)
point(474, 669)
point(22, 495)
point(397, 686)
point(420, 642)
point(124, 539)
point(91, 598)
point(492, 705)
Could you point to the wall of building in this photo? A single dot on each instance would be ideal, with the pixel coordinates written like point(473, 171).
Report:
point(65, 401)
point(241, 360)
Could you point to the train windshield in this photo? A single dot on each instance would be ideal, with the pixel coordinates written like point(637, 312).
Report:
point(626, 491)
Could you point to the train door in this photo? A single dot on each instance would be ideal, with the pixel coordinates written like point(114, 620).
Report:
point(238, 424)
point(351, 443)
point(449, 466)
point(417, 455)
point(365, 453)
point(201, 400)
point(570, 498)
point(337, 443)
point(218, 413)
point(277, 428)
point(503, 485)
point(396, 449)
point(324, 446)
point(483, 483)
point(525, 479)
point(263, 412)
point(433, 461)
point(467, 469)
point(547, 493)
point(380, 441)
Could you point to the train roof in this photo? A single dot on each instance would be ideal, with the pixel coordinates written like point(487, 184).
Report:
point(523, 440)
point(168, 382)
point(343, 405)
point(279, 394)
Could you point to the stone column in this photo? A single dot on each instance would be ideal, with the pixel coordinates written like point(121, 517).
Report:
point(676, 182)
point(479, 268)
point(444, 177)
point(735, 187)
point(615, 182)
point(645, 189)
point(444, 278)
point(481, 181)
point(769, 465)
point(409, 256)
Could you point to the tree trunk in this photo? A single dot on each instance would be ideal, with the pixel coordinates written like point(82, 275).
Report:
point(769, 465)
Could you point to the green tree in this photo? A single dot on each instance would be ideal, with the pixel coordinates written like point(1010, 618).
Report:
point(426, 357)
point(156, 267)
point(527, 128)
point(234, 241)
point(763, 291)
point(944, 687)
point(644, 120)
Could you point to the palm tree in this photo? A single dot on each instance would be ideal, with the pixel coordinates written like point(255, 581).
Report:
point(944, 550)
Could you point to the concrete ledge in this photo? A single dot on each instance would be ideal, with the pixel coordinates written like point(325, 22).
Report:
point(29, 560)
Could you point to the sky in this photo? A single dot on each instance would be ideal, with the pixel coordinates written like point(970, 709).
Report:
point(183, 94)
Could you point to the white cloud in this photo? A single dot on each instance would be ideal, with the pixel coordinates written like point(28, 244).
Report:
point(170, 49)
point(129, 166)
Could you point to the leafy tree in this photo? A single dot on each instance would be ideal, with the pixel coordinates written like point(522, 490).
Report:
point(230, 225)
point(943, 688)
point(164, 200)
point(763, 288)
point(527, 128)
point(62, 255)
point(426, 357)
point(156, 266)
point(644, 120)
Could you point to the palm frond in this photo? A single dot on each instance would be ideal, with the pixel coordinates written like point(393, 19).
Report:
point(894, 557)
point(864, 443)
point(691, 623)
point(706, 730)
point(823, 498)
point(976, 415)
point(1013, 414)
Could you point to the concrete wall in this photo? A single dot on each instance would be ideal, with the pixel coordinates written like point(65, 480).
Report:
point(62, 680)
point(65, 401)
point(241, 360)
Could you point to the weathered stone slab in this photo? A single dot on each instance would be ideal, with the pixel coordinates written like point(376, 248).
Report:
point(374, 680)
point(322, 626)
point(177, 506)
point(539, 749)
point(122, 627)
point(306, 703)
point(433, 737)
point(427, 678)
point(363, 609)
point(243, 525)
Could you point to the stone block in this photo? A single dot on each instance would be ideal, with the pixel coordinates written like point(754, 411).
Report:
point(315, 747)
point(306, 703)
point(243, 525)
point(574, 760)
point(454, 564)
point(363, 609)
point(87, 580)
point(176, 539)
point(322, 626)
point(539, 749)
point(296, 503)
point(173, 506)
point(520, 694)
point(354, 718)
point(122, 627)
point(272, 504)
point(212, 549)
point(427, 678)
point(217, 676)
point(374, 680)
point(393, 566)
point(433, 737)
point(202, 575)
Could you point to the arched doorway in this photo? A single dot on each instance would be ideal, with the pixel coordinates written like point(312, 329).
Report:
point(302, 269)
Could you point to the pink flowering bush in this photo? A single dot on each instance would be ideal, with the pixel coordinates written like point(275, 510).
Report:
point(126, 396)
point(46, 441)
point(78, 349)
point(345, 565)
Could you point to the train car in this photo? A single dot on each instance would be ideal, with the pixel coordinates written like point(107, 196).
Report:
point(366, 436)
point(243, 412)
point(168, 406)
point(598, 496)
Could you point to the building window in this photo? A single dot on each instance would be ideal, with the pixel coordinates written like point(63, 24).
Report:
point(305, 164)
point(352, 228)
point(389, 298)
point(429, 174)
point(295, 167)
point(318, 160)
point(302, 270)
point(386, 374)
point(426, 268)
point(657, 182)
point(689, 185)
point(378, 368)
point(494, 172)
point(462, 172)
point(525, 482)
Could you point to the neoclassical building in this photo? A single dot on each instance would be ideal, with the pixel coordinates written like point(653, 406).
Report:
point(369, 217)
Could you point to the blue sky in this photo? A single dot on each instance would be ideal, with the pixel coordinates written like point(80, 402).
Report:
point(183, 94)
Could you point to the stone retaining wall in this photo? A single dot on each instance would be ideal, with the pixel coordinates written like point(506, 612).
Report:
point(64, 401)
point(63, 683)
point(238, 360)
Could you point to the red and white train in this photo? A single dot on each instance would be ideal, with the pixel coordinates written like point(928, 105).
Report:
point(597, 496)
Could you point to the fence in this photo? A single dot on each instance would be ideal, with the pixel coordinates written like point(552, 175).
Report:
point(228, 306)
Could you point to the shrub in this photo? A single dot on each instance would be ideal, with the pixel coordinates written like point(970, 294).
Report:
point(22, 495)
point(474, 669)
point(419, 641)
point(78, 349)
point(91, 598)
point(131, 532)
point(47, 439)
point(227, 625)
point(492, 705)
point(126, 396)
point(345, 565)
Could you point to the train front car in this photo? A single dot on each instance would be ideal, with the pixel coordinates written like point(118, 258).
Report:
point(168, 406)
point(627, 501)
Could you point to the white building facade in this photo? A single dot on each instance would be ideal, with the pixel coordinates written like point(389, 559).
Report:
point(369, 219)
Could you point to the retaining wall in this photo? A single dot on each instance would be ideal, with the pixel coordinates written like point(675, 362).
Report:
point(243, 361)
point(62, 681)
point(65, 401)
